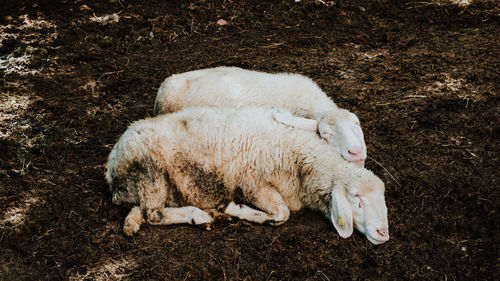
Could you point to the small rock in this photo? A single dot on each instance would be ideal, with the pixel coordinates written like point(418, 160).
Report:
point(85, 8)
point(221, 22)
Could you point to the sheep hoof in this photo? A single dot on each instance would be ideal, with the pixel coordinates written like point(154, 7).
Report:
point(131, 227)
point(218, 216)
point(155, 217)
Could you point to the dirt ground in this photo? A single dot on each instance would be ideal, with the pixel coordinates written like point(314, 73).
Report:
point(423, 77)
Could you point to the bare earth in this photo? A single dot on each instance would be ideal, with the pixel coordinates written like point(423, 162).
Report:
point(423, 76)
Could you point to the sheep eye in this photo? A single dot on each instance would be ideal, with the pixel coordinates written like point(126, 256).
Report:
point(359, 201)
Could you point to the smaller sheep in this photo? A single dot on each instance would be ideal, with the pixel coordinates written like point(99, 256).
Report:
point(236, 87)
point(171, 168)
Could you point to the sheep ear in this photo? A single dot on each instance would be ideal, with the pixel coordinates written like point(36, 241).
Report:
point(325, 131)
point(294, 121)
point(341, 213)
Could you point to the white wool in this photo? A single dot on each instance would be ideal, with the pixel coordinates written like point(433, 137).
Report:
point(277, 168)
point(236, 87)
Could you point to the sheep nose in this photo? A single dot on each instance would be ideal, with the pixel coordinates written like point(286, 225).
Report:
point(382, 232)
point(357, 151)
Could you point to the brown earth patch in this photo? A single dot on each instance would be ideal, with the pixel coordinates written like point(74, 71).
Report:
point(423, 77)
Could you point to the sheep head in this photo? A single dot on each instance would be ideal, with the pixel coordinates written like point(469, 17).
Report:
point(343, 132)
point(358, 202)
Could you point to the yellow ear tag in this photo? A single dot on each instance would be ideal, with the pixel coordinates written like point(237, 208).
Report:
point(340, 221)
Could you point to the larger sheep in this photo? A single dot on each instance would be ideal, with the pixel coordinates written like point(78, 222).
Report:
point(236, 87)
point(171, 167)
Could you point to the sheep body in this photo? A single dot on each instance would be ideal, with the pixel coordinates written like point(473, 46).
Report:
point(204, 157)
point(237, 87)
point(209, 144)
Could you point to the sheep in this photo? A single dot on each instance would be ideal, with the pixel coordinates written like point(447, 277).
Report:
point(237, 87)
point(173, 167)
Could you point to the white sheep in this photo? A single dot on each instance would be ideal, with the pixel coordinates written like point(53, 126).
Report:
point(172, 167)
point(236, 87)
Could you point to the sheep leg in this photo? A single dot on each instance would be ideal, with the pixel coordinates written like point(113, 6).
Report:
point(152, 198)
point(133, 221)
point(269, 200)
point(244, 212)
point(187, 214)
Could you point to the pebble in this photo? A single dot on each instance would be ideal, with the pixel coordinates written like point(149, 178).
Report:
point(221, 22)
